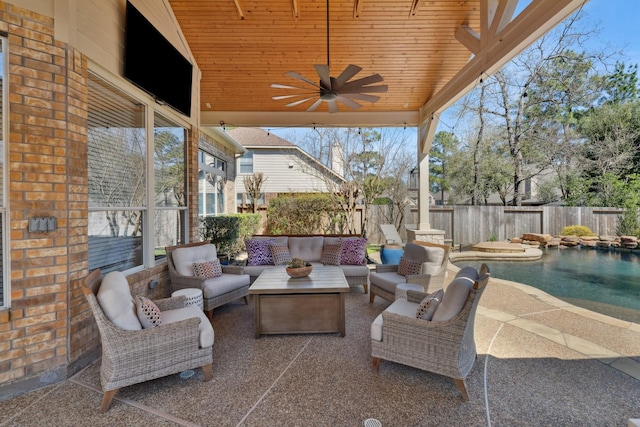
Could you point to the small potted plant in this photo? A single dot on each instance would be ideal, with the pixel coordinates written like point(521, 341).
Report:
point(299, 268)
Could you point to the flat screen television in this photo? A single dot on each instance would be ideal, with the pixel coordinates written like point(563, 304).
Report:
point(154, 65)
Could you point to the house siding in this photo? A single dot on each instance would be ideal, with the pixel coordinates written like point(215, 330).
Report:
point(302, 177)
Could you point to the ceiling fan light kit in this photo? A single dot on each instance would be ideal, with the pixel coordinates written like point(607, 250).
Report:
point(333, 89)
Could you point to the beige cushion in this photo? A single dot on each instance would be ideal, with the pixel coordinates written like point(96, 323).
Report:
point(306, 248)
point(205, 329)
point(183, 258)
point(399, 306)
point(453, 300)
point(217, 286)
point(468, 272)
point(435, 257)
point(114, 297)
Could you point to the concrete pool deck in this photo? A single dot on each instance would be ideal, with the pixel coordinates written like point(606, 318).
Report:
point(541, 362)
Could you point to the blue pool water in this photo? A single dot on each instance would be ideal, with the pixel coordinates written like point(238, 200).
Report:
point(605, 281)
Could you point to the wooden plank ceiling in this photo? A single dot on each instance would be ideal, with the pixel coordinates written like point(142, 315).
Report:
point(243, 46)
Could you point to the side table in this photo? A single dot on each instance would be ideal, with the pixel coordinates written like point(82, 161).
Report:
point(194, 296)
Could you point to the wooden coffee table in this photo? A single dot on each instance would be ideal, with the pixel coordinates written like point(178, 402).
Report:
point(305, 305)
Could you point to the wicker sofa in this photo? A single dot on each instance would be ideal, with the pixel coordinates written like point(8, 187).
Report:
point(313, 249)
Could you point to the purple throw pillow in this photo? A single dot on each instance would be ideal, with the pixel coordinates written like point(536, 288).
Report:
point(259, 251)
point(354, 250)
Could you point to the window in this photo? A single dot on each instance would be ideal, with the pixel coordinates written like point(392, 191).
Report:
point(245, 163)
point(170, 216)
point(4, 261)
point(128, 225)
point(117, 178)
point(212, 178)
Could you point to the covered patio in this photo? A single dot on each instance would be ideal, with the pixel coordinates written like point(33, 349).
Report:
point(540, 362)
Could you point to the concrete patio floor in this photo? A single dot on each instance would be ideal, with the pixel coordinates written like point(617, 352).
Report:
point(541, 362)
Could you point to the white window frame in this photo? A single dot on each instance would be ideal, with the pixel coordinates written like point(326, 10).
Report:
point(4, 208)
point(150, 109)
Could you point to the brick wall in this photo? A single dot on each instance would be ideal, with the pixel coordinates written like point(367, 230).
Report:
point(35, 342)
point(49, 332)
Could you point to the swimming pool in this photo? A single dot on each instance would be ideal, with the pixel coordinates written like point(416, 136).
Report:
point(605, 281)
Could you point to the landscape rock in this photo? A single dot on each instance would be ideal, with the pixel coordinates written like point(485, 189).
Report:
point(536, 237)
point(603, 244)
point(571, 239)
point(628, 239)
point(589, 243)
point(590, 238)
point(607, 238)
point(516, 240)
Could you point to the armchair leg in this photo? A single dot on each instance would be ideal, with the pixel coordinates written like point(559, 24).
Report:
point(207, 370)
point(371, 297)
point(375, 363)
point(107, 397)
point(366, 288)
point(246, 299)
point(209, 314)
point(462, 386)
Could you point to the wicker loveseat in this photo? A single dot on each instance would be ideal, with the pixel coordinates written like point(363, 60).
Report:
point(314, 249)
point(132, 354)
point(444, 344)
point(216, 291)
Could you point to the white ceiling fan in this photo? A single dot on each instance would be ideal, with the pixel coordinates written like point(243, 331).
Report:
point(333, 89)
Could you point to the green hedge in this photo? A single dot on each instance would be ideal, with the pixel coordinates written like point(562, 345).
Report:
point(308, 213)
point(228, 232)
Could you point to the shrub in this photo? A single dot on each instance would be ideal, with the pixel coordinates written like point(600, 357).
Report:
point(228, 232)
point(577, 230)
point(307, 213)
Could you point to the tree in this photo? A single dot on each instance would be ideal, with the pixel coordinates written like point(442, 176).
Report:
point(368, 158)
point(253, 188)
point(442, 150)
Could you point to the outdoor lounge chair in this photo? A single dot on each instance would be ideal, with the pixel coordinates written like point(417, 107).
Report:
point(386, 278)
point(391, 235)
point(216, 291)
point(132, 354)
point(444, 344)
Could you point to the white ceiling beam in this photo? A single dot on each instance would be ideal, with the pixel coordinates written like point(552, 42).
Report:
point(296, 9)
point(239, 8)
point(304, 119)
point(534, 21)
point(469, 38)
point(357, 8)
point(502, 17)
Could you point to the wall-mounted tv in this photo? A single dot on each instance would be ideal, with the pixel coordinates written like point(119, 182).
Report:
point(153, 64)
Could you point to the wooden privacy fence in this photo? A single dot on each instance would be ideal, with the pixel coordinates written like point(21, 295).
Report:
point(471, 224)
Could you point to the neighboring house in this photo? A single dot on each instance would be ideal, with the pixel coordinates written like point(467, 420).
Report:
point(286, 167)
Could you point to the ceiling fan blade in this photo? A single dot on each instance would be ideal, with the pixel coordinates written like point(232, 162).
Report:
point(293, 104)
point(333, 106)
point(278, 98)
point(295, 75)
point(279, 86)
point(348, 102)
point(323, 72)
point(360, 97)
point(346, 75)
point(375, 78)
point(363, 89)
point(314, 105)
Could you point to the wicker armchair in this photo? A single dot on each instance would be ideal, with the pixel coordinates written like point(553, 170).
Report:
point(442, 347)
point(217, 291)
point(385, 279)
point(134, 356)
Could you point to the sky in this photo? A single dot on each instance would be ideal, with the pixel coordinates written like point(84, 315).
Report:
point(618, 29)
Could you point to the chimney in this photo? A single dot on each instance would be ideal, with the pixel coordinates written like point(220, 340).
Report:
point(337, 158)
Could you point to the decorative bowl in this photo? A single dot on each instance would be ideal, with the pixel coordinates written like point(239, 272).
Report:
point(300, 271)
